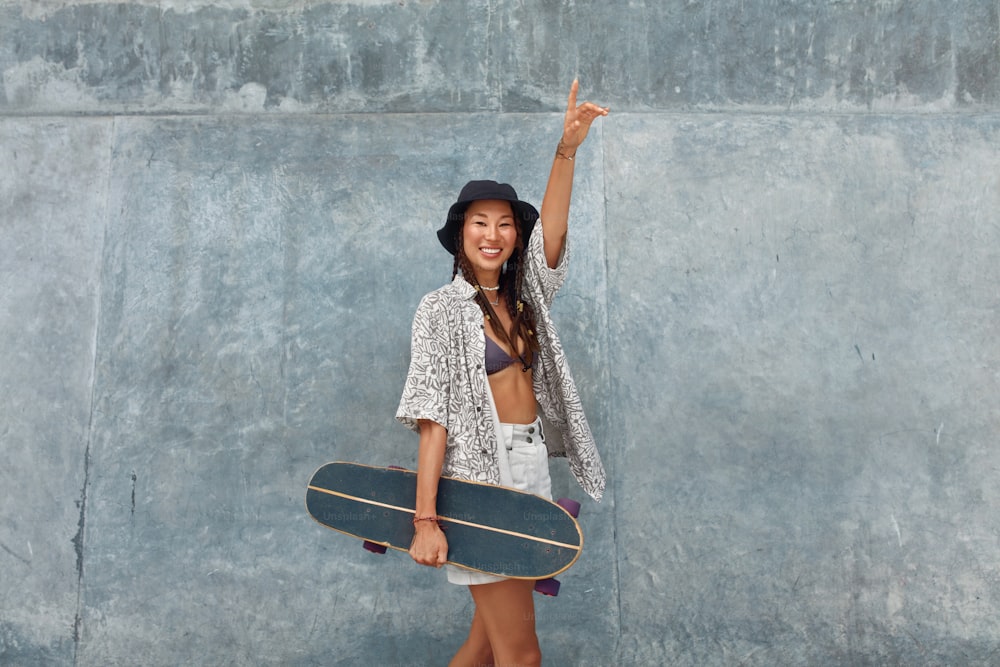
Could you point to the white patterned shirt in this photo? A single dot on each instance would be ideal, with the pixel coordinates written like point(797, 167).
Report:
point(447, 382)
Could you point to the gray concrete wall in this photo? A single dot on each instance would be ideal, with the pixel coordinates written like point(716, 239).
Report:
point(217, 218)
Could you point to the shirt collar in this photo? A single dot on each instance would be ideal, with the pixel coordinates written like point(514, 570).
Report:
point(463, 287)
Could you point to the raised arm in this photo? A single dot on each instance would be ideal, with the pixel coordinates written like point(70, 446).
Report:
point(555, 203)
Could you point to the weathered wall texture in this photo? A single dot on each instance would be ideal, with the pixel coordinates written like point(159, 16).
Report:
point(216, 220)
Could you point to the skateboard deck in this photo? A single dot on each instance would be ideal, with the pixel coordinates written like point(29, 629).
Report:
point(490, 529)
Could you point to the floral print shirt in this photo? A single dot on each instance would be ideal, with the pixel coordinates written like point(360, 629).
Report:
point(447, 383)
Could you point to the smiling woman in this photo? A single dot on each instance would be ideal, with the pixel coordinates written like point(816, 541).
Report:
point(489, 235)
point(485, 357)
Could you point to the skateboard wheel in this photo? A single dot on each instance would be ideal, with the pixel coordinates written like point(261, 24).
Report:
point(548, 587)
point(375, 548)
point(570, 506)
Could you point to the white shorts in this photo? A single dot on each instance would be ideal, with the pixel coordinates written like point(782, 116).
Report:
point(523, 449)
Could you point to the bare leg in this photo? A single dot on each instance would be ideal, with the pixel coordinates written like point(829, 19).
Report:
point(476, 651)
point(507, 612)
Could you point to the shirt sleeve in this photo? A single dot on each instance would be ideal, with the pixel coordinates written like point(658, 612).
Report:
point(426, 389)
point(544, 281)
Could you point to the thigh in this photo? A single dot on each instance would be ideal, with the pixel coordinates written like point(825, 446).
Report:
point(507, 612)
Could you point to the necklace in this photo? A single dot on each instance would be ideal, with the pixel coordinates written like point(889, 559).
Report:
point(491, 289)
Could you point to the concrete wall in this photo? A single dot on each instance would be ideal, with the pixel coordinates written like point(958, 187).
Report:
point(217, 218)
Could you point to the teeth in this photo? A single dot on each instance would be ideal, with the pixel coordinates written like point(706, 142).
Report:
point(490, 251)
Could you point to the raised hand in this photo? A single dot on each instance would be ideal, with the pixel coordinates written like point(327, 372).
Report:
point(578, 119)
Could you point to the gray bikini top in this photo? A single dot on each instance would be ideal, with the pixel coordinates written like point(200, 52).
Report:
point(496, 358)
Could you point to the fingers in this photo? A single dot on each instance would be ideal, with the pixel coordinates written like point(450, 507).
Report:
point(578, 123)
point(571, 100)
point(430, 560)
point(422, 556)
point(429, 551)
point(590, 111)
point(584, 113)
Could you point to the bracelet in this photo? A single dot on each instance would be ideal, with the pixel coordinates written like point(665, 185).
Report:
point(417, 519)
point(559, 152)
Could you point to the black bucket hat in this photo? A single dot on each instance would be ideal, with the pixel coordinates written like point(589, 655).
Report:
point(525, 213)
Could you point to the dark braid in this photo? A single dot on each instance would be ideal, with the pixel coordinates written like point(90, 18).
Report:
point(522, 315)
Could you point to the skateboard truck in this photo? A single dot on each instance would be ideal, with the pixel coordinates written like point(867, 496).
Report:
point(375, 547)
point(549, 587)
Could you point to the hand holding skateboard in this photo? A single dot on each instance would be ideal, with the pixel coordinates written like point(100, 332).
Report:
point(429, 546)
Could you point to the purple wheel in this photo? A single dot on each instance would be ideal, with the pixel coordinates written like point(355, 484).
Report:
point(375, 548)
point(548, 587)
point(570, 506)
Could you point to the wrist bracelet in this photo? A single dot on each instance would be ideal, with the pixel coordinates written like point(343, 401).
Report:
point(559, 152)
point(417, 519)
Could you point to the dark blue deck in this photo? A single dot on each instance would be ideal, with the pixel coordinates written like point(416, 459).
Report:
point(478, 519)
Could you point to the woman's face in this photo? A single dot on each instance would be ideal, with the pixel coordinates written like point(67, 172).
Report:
point(489, 237)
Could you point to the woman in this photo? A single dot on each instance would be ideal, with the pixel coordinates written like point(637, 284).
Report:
point(485, 356)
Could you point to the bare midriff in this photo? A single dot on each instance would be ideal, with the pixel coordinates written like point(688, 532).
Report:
point(514, 395)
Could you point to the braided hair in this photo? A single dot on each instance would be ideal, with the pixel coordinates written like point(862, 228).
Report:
point(522, 315)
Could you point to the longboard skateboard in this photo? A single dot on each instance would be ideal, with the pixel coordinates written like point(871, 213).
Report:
point(490, 529)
